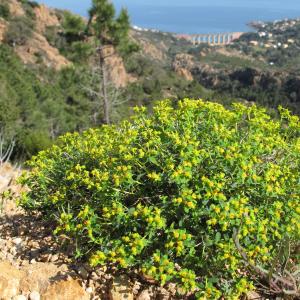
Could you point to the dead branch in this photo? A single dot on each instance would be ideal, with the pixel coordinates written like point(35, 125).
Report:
point(5, 151)
point(277, 284)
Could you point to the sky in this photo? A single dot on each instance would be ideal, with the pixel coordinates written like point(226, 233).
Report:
point(196, 3)
point(82, 5)
point(194, 16)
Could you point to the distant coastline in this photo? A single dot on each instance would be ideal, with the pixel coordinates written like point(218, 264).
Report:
point(257, 25)
point(194, 18)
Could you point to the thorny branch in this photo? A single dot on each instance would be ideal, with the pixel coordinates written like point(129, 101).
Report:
point(5, 151)
point(277, 284)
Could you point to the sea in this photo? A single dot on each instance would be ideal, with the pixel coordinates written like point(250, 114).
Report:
point(194, 16)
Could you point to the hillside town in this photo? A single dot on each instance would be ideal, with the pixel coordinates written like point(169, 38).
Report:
point(277, 34)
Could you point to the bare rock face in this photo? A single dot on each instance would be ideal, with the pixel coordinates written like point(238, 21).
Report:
point(9, 280)
point(3, 25)
point(151, 50)
point(38, 277)
point(121, 289)
point(45, 17)
point(38, 44)
point(115, 67)
point(185, 73)
point(182, 65)
point(65, 290)
point(16, 8)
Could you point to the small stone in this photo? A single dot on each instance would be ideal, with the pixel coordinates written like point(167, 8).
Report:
point(136, 287)
point(19, 297)
point(34, 295)
point(163, 294)
point(89, 290)
point(33, 245)
point(10, 257)
point(13, 250)
point(32, 261)
point(83, 272)
point(172, 288)
point(121, 289)
point(64, 268)
point(34, 254)
point(253, 296)
point(69, 278)
point(54, 258)
point(144, 295)
point(94, 276)
point(107, 277)
point(17, 241)
point(101, 271)
point(44, 257)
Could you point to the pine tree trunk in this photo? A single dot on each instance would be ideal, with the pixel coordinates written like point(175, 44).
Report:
point(103, 83)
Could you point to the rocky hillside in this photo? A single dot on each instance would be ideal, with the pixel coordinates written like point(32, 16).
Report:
point(37, 42)
point(49, 81)
point(33, 43)
point(261, 66)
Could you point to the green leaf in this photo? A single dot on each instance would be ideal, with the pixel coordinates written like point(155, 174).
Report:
point(153, 160)
point(218, 237)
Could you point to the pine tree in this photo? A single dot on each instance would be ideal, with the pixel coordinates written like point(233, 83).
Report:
point(110, 31)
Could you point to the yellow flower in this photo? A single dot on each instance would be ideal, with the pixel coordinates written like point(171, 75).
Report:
point(154, 176)
point(156, 257)
point(217, 209)
point(176, 234)
point(269, 188)
point(213, 221)
point(179, 200)
point(190, 204)
point(244, 175)
point(141, 153)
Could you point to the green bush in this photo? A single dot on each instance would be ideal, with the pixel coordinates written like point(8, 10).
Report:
point(41, 102)
point(35, 141)
point(4, 11)
point(183, 195)
point(19, 31)
point(28, 7)
point(57, 39)
point(80, 52)
point(73, 25)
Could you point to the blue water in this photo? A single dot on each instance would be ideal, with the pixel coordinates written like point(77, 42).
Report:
point(194, 16)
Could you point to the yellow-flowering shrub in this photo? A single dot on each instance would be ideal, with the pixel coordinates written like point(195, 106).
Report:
point(167, 193)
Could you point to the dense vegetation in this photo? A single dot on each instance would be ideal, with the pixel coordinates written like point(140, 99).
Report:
point(35, 112)
point(39, 104)
point(188, 192)
point(228, 78)
point(4, 11)
point(261, 66)
point(69, 38)
point(195, 194)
